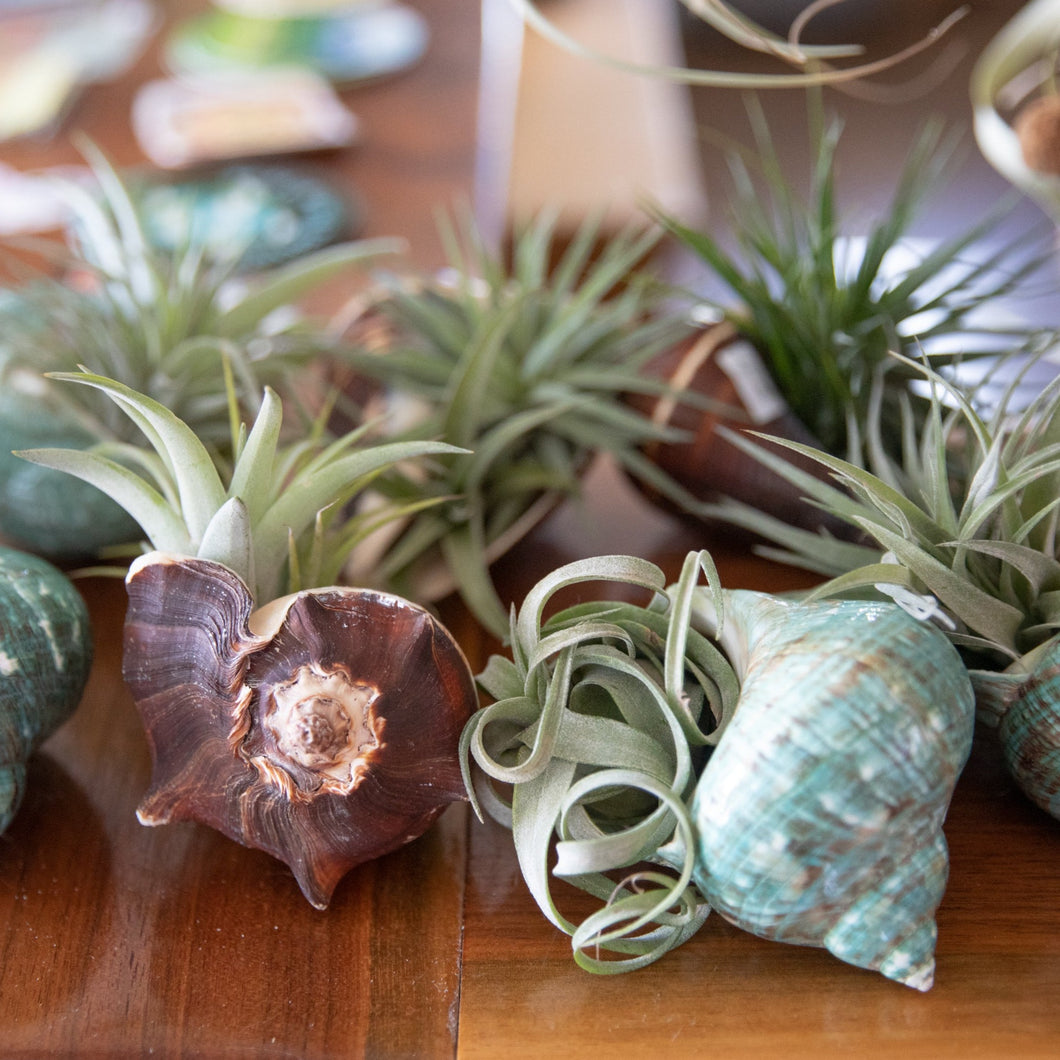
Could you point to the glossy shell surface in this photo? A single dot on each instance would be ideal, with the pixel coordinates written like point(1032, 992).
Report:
point(1025, 708)
point(44, 511)
point(324, 733)
point(819, 814)
point(45, 659)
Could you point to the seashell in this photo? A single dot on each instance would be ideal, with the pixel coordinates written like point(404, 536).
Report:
point(819, 814)
point(322, 728)
point(1024, 707)
point(720, 364)
point(45, 658)
point(45, 511)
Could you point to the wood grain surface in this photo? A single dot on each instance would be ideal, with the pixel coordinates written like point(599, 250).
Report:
point(119, 941)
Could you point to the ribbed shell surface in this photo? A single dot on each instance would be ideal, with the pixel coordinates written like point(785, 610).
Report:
point(819, 814)
point(204, 685)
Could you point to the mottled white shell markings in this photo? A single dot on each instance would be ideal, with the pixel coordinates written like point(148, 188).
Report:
point(819, 814)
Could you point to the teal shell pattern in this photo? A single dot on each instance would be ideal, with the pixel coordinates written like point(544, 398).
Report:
point(45, 658)
point(819, 815)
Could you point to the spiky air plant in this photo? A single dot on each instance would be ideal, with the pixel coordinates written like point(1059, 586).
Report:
point(162, 322)
point(814, 64)
point(963, 530)
point(525, 364)
point(823, 307)
point(316, 722)
point(786, 763)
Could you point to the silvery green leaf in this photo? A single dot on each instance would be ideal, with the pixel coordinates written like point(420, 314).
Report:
point(291, 282)
point(252, 477)
point(190, 464)
point(228, 540)
point(163, 527)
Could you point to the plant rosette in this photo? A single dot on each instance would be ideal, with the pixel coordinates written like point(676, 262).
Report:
point(788, 764)
point(45, 659)
point(526, 365)
point(314, 721)
point(962, 531)
point(815, 312)
point(166, 322)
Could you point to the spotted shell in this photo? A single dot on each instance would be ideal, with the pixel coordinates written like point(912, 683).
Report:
point(322, 729)
point(1024, 707)
point(819, 814)
point(45, 659)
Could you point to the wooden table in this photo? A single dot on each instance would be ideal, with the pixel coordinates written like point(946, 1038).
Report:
point(122, 941)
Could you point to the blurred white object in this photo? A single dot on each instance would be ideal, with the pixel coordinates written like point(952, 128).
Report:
point(49, 51)
point(179, 122)
point(29, 202)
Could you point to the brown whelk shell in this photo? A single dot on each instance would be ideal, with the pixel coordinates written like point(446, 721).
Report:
point(322, 729)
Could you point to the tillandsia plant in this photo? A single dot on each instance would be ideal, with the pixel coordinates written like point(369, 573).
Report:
point(525, 364)
point(962, 529)
point(815, 64)
point(788, 764)
point(159, 321)
point(316, 722)
point(1017, 106)
point(824, 307)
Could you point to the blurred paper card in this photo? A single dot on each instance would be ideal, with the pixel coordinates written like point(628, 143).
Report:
point(181, 122)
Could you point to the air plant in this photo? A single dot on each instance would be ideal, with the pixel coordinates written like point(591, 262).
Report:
point(45, 659)
point(788, 764)
point(162, 322)
point(815, 64)
point(1016, 105)
point(316, 722)
point(527, 366)
point(961, 529)
point(824, 308)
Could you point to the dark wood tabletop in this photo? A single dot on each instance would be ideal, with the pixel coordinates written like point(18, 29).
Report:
point(120, 941)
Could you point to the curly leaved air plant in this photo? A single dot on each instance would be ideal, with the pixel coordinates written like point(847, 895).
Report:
point(963, 530)
point(45, 659)
point(314, 721)
point(833, 735)
point(163, 322)
point(815, 63)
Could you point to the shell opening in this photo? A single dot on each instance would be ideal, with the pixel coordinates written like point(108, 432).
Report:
point(323, 721)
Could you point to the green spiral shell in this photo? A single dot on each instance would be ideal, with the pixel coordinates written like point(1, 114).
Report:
point(1024, 707)
point(45, 657)
point(819, 814)
point(48, 512)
